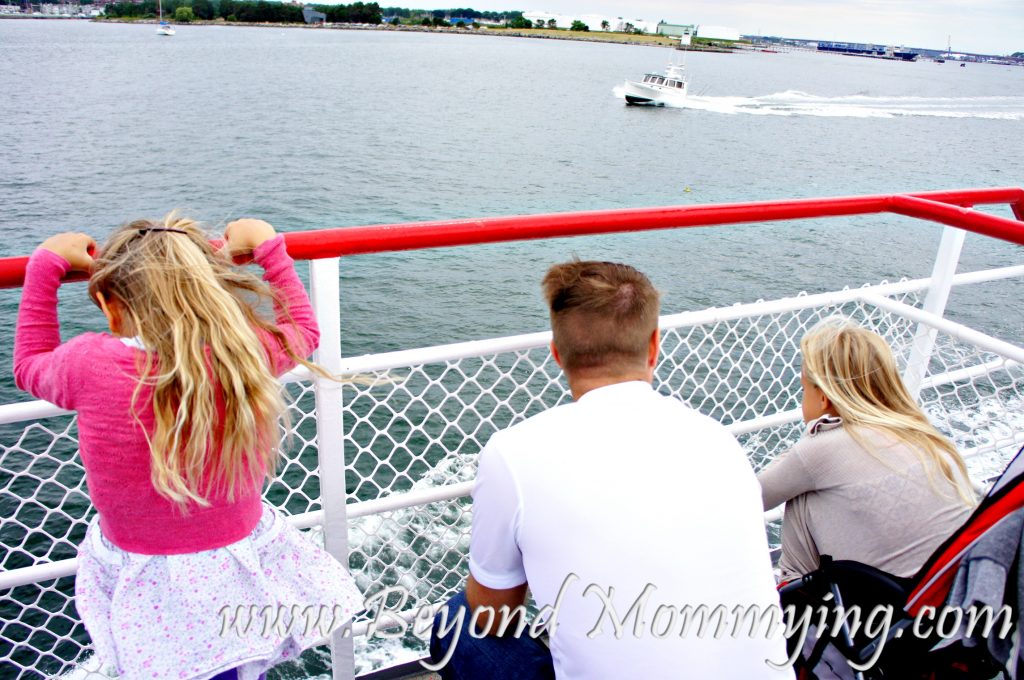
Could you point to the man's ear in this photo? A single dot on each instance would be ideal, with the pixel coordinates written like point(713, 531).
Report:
point(554, 354)
point(653, 347)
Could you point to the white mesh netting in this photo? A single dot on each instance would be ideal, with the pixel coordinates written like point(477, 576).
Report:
point(422, 426)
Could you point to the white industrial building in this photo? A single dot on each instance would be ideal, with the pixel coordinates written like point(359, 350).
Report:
point(542, 18)
point(718, 32)
point(645, 26)
point(593, 22)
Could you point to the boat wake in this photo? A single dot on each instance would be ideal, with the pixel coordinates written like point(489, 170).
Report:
point(796, 103)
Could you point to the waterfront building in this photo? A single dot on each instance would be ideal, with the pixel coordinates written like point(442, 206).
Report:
point(645, 26)
point(675, 30)
point(542, 18)
point(311, 16)
point(718, 32)
point(596, 22)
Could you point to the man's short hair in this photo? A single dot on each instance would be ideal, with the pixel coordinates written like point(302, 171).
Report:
point(602, 314)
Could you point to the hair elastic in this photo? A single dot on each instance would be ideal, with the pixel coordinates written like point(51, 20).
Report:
point(148, 229)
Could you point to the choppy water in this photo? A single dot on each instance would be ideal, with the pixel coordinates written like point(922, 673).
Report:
point(308, 129)
point(311, 128)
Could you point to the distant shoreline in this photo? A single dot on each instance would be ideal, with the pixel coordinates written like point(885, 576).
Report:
point(544, 34)
point(642, 40)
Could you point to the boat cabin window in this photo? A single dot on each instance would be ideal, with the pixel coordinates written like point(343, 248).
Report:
point(679, 85)
point(647, 79)
point(660, 81)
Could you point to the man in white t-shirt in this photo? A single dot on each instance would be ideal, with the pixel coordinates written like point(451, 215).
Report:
point(635, 521)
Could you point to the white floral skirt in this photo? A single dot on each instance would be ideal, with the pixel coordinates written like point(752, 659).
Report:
point(248, 605)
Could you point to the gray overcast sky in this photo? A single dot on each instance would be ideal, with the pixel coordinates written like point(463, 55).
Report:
point(985, 26)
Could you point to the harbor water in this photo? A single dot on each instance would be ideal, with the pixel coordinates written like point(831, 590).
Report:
point(313, 128)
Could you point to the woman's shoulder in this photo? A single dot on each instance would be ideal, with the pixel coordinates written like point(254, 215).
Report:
point(825, 443)
point(830, 442)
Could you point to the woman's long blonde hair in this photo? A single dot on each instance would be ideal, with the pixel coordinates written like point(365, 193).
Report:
point(194, 313)
point(857, 371)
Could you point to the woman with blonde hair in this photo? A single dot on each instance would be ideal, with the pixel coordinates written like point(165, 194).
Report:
point(184, 572)
point(871, 480)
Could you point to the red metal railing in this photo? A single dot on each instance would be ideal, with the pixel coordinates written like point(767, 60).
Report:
point(952, 208)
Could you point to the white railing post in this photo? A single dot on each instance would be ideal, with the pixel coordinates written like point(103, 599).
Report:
point(946, 261)
point(324, 287)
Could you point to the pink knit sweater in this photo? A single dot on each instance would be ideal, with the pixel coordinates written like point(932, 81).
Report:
point(95, 374)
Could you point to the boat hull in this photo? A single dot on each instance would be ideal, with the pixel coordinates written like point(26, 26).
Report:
point(633, 100)
point(639, 94)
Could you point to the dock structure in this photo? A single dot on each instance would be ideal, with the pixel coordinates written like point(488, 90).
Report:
point(867, 50)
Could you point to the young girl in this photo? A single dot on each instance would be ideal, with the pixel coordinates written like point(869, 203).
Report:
point(872, 480)
point(184, 569)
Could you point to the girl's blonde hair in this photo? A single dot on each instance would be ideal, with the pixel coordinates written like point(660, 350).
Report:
point(216, 402)
point(857, 371)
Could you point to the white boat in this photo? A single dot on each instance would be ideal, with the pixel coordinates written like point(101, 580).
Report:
point(163, 28)
point(656, 89)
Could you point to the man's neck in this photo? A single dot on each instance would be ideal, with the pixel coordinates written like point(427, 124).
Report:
point(580, 385)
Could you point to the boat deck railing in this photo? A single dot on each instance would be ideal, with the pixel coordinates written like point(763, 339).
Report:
point(379, 468)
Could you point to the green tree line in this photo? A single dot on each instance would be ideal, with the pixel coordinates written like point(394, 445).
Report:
point(356, 13)
point(467, 13)
point(248, 11)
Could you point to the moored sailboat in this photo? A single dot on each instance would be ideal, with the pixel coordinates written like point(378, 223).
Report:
point(163, 28)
